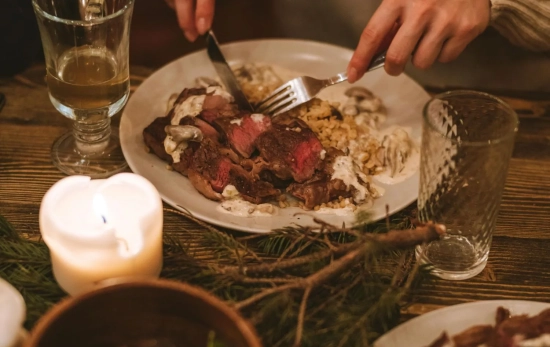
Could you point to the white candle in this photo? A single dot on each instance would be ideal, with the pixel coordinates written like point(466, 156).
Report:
point(102, 229)
point(12, 315)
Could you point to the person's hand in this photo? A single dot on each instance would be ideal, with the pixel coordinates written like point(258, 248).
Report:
point(194, 16)
point(429, 30)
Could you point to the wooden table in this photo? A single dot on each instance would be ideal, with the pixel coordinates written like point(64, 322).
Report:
point(519, 261)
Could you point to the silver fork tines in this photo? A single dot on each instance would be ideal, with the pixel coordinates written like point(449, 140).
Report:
point(302, 89)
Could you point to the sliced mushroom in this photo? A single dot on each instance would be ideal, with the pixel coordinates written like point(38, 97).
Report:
point(205, 82)
point(350, 110)
point(398, 148)
point(380, 156)
point(171, 101)
point(370, 104)
point(359, 93)
point(181, 133)
point(378, 117)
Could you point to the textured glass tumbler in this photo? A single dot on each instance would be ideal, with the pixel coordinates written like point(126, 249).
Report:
point(467, 142)
point(86, 44)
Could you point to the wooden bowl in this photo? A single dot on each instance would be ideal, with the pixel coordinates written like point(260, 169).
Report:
point(144, 313)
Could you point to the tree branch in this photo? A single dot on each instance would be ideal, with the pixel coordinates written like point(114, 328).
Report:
point(301, 315)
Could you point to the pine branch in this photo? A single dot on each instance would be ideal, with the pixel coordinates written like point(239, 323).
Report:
point(395, 238)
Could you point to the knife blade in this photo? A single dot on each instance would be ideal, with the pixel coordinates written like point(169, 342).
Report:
point(226, 74)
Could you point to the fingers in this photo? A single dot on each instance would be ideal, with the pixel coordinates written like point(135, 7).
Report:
point(204, 15)
point(430, 46)
point(430, 30)
point(455, 45)
point(186, 18)
point(402, 46)
point(376, 30)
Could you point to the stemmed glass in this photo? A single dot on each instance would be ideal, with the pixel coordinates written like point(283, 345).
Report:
point(86, 46)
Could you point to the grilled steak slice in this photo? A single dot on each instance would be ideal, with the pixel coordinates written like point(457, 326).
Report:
point(153, 136)
point(251, 188)
point(186, 158)
point(215, 106)
point(203, 186)
point(184, 95)
point(291, 150)
point(321, 189)
point(241, 132)
point(211, 171)
point(270, 177)
point(208, 162)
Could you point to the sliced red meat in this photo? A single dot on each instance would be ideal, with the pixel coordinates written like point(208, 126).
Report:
point(212, 102)
point(186, 158)
point(207, 129)
point(241, 132)
point(153, 136)
point(221, 179)
point(291, 150)
point(216, 106)
point(251, 188)
point(202, 185)
point(321, 189)
point(211, 164)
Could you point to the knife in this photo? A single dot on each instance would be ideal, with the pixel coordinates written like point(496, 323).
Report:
point(226, 74)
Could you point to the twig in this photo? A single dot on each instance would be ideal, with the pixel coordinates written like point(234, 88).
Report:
point(305, 245)
point(401, 273)
point(289, 248)
point(334, 229)
point(289, 263)
point(364, 337)
point(329, 243)
point(315, 279)
point(259, 296)
point(301, 315)
point(265, 280)
point(250, 237)
point(239, 259)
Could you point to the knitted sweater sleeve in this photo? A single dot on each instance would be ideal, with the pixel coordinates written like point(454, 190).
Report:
point(524, 23)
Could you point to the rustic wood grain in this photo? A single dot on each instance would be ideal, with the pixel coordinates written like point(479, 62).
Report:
point(519, 262)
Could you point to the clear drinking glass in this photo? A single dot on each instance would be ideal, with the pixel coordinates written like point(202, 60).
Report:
point(86, 46)
point(467, 142)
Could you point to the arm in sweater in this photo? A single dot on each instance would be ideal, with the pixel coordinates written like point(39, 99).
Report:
point(525, 23)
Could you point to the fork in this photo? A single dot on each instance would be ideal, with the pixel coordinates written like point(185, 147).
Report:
point(302, 89)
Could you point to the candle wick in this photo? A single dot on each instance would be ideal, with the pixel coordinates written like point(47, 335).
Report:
point(104, 219)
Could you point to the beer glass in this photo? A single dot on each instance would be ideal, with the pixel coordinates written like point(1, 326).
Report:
point(86, 46)
point(467, 142)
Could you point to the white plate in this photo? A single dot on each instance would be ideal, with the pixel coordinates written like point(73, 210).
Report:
point(403, 97)
point(423, 330)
